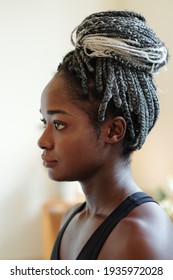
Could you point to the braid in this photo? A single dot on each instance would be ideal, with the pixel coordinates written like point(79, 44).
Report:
point(120, 53)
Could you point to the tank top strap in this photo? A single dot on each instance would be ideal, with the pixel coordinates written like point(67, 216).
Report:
point(93, 246)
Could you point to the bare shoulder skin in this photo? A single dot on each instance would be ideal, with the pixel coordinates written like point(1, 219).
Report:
point(145, 234)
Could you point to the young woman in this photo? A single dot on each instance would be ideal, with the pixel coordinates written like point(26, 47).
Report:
point(97, 110)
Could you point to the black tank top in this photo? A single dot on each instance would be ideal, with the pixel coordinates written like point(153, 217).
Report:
point(91, 249)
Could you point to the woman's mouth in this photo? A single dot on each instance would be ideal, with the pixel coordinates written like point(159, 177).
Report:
point(49, 162)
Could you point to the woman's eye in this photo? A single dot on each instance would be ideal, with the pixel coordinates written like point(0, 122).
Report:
point(58, 125)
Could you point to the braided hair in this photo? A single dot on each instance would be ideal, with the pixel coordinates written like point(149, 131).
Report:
point(119, 52)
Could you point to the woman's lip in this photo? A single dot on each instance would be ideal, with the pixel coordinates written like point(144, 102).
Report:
point(49, 163)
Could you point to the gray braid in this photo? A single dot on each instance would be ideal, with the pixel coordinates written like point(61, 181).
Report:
point(120, 52)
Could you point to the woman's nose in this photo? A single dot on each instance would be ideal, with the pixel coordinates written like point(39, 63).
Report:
point(45, 141)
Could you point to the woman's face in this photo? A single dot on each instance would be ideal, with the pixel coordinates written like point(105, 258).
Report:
point(71, 149)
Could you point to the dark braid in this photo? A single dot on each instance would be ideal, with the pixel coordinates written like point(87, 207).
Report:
point(119, 52)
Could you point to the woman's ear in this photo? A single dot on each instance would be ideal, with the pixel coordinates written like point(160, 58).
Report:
point(116, 129)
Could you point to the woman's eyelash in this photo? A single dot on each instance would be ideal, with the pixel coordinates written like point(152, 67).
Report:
point(43, 121)
point(59, 125)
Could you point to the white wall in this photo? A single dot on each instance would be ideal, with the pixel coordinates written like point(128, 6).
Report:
point(35, 35)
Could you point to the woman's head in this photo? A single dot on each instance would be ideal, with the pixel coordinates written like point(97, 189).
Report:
point(111, 72)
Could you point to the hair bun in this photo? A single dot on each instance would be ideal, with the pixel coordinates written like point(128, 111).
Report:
point(124, 36)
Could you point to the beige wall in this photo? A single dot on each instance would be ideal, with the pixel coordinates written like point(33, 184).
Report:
point(154, 163)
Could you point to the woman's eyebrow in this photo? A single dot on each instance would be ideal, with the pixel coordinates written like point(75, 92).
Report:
point(53, 112)
point(58, 111)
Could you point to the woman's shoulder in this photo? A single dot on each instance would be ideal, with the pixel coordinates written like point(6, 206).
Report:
point(146, 233)
point(151, 232)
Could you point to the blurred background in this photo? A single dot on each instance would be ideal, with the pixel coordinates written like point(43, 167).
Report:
point(35, 35)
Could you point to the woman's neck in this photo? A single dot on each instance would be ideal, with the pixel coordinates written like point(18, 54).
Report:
point(108, 188)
